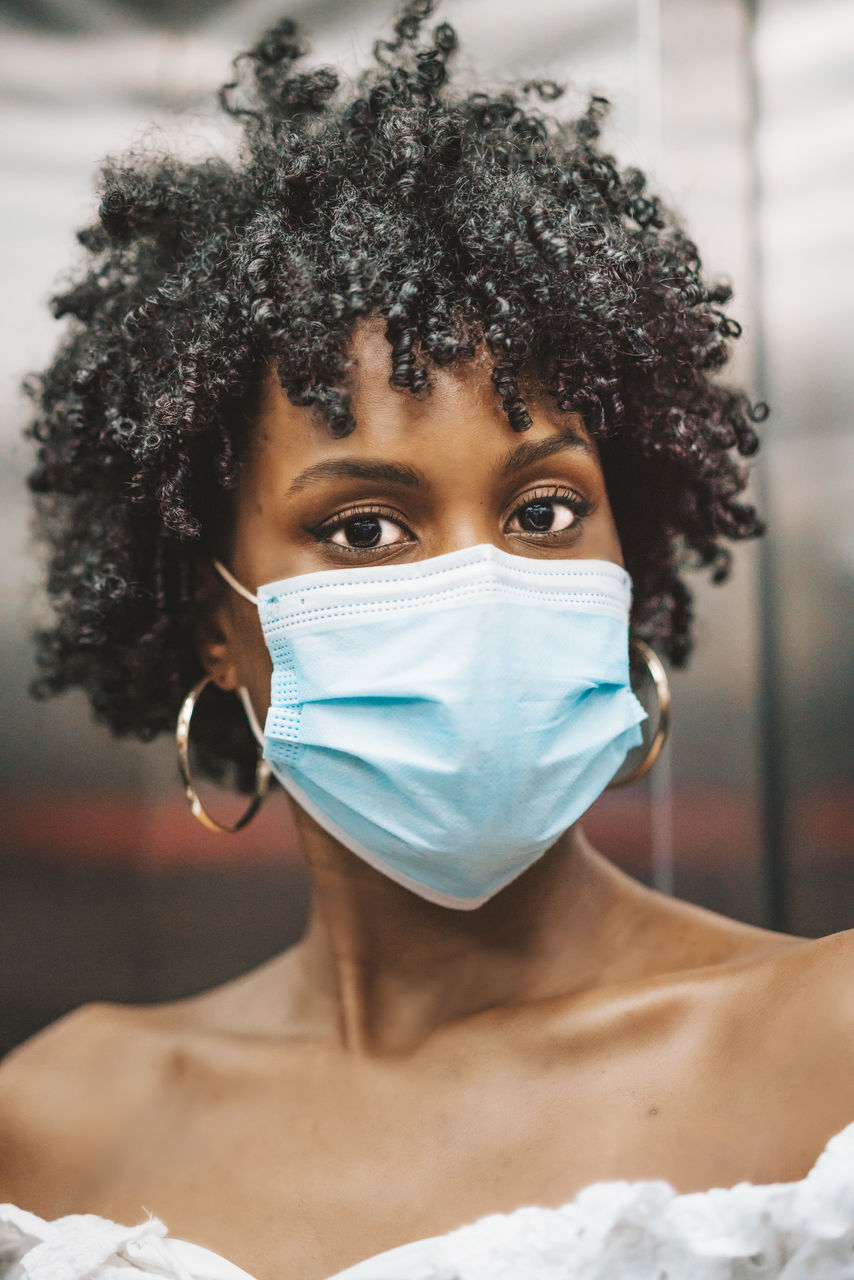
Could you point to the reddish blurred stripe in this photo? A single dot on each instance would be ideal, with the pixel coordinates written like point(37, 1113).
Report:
point(126, 829)
point(710, 823)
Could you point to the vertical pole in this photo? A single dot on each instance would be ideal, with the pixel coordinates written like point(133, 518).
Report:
point(661, 821)
point(649, 107)
point(771, 720)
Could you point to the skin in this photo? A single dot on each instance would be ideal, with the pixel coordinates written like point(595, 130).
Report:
point(407, 1068)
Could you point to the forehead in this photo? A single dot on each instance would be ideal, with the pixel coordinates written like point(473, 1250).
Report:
point(460, 417)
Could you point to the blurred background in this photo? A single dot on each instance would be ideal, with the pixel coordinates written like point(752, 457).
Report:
point(743, 111)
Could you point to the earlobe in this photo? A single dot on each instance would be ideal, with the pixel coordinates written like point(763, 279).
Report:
point(214, 635)
point(215, 652)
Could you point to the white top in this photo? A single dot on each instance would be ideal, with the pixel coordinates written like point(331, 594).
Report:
point(631, 1230)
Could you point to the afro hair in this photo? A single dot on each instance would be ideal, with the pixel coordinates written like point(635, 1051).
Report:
point(467, 221)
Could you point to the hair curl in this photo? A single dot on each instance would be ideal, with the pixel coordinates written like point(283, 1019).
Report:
point(461, 220)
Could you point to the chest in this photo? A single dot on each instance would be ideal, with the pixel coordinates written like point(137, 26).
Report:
point(305, 1166)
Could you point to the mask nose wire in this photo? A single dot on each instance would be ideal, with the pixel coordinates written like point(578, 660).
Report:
point(229, 577)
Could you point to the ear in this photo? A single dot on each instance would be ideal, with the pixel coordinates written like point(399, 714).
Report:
point(215, 630)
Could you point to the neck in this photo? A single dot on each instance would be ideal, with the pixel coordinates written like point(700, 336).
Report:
point(381, 968)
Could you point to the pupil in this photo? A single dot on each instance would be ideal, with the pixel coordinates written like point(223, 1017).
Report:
point(364, 532)
point(538, 516)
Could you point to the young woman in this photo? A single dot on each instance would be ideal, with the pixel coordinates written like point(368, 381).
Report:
point(387, 445)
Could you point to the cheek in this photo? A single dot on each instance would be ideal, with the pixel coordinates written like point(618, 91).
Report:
point(254, 666)
point(602, 541)
point(259, 685)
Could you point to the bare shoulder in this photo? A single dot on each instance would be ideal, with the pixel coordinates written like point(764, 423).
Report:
point(817, 974)
point(771, 1017)
point(64, 1094)
point(94, 1034)
point(793, 996)
point(779, 1047)
point(788, 1016)
point(680, 936)
point(787, 977)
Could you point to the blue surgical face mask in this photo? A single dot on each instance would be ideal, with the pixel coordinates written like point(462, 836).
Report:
point(448, 719)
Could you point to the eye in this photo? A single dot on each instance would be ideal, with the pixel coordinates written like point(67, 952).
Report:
point(552, 512)
point(360, 533)
point(363, 530)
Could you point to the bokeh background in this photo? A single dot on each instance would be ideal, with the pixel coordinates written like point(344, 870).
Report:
point(744, 112)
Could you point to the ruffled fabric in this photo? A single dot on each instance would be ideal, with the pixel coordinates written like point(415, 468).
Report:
point(611, 1231)
point(645, 1231)
point(86, 1247)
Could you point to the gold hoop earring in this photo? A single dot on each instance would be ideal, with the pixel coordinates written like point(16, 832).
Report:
point(655, 666)
point(182, 741)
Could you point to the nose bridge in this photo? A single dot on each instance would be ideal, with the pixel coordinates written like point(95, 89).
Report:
point(464, 501)
point(459, 438)
point(462, 522)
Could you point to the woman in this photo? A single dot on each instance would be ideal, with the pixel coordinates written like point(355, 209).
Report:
point(359, 443)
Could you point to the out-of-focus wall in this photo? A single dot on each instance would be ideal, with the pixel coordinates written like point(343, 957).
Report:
point(805, 146)
point(107, 887)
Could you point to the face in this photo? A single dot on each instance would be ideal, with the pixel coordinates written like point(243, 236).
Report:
point(417, 478)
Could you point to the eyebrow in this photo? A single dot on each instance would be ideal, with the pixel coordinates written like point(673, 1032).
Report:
point(531, 451)
point(359, 469)
point(524, 455)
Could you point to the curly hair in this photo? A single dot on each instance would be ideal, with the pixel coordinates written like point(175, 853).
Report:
point(465, 221)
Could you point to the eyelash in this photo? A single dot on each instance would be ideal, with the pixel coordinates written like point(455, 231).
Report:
point(577, 503)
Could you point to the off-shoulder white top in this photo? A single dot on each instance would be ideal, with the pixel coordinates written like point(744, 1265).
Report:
point(610, 1231)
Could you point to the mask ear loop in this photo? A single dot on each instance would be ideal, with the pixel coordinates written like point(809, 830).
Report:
point(243, 692)
point(254, 722)
point(229, 577)
point(255, 725)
